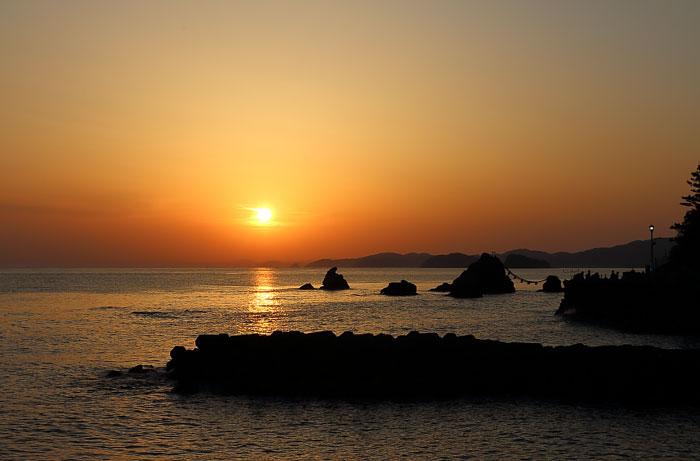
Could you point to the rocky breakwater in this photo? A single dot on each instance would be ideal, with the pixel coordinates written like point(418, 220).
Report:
point(427, 365)
point(487, 275)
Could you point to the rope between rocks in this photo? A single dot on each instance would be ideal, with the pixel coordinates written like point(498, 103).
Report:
point(517, 277)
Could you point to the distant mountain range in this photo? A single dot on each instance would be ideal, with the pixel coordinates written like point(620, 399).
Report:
point(633, 254)
point(378, 260)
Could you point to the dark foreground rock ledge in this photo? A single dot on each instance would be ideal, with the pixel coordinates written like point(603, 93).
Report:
point(428, 366)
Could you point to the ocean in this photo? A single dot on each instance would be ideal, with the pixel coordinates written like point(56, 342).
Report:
point(62, 331)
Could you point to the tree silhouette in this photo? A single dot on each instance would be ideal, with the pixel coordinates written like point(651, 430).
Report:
point(685, 255)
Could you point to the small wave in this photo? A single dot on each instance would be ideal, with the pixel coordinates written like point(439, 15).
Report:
point(108, 308)
point(155, 314)
point(169, 314)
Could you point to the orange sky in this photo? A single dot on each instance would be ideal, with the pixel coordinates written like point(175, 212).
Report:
point(142, 134)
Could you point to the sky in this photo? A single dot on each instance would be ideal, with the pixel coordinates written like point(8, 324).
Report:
point(145, 133)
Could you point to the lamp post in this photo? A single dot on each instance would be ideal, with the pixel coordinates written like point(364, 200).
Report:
point(651, 246)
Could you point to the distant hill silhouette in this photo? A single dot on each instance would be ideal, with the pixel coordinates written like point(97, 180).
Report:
point(376, 260)
point(518, 261)
point(633, 254)
point(450, 260)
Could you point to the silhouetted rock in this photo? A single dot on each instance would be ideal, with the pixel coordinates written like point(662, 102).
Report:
point(307, 286)
point(402, 288)
point(487, 275)
point(334, 281)
point(137, 369)
point(443, 287)
point(426, 366)
point(552, 285)
point(114, 373)
point(518, 261)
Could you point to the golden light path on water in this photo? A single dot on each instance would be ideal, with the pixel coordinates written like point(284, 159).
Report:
point(264, 306)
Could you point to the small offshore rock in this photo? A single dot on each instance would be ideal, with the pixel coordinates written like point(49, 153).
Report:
point(402, 288)
point(307, 286)
point(552, 285)
point(114, 373)
point(443, 288)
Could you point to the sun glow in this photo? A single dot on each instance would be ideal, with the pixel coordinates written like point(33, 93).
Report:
point(263, 215)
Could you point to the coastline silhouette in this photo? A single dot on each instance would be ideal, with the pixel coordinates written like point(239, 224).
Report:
point(663, 300)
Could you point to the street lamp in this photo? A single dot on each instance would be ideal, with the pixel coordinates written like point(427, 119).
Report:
point(651, 246)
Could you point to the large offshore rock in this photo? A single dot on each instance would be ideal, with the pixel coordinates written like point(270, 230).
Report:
point(487, 275)
point(334, 281)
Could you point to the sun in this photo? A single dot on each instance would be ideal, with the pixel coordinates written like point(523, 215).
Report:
point(263, 215)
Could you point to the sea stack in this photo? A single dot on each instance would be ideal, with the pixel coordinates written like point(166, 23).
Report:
point(334, 281)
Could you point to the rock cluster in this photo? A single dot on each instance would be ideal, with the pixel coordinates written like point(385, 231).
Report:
point(426, 366)
point(402, 288)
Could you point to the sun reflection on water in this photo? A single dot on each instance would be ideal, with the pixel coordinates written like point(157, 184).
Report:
point(264, 307)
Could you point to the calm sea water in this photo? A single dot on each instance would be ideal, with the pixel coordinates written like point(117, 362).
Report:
point(62, 331)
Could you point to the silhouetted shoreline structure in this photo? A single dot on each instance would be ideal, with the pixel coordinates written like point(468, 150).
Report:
point(427, 366)
point(402, 288)
point(666, 300)
point(655, 302)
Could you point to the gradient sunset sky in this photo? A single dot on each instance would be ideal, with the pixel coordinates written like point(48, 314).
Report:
point(144, 133)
